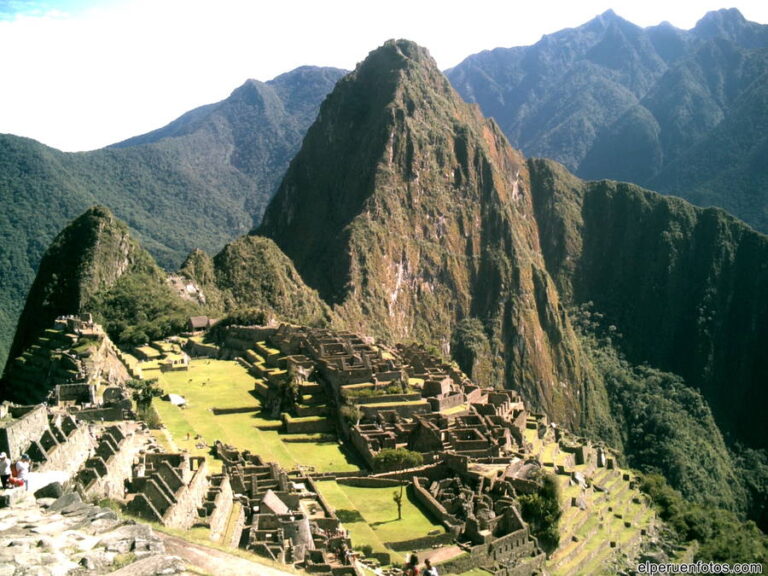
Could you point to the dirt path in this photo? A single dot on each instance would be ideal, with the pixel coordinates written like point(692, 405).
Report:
point(441, 554)
point(213, 561)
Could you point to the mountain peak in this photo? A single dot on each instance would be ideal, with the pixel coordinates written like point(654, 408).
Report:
point(729, 23)
point(401, 210)
point(609, 15)
point(408, 49)
point(723, 16)
point(606, 20)
point(395, 61)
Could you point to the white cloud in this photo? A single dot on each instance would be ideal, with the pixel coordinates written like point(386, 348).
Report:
point(91, 73)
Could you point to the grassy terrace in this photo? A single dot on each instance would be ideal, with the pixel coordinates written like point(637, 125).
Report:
point(370, 515)
point(223, 384)
point(614, 514)
point(586, 534)
point(149, 352)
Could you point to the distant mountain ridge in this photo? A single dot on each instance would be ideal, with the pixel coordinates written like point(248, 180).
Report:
point(681, 112)
point(196, 183)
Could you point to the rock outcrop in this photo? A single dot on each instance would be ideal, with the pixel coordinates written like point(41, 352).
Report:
point(66, 536)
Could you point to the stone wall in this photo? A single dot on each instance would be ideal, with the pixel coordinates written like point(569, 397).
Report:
point(26, 427)
point(201, 350)
point(441, 403)
point(384, 398)
point(188, 499)
point(436, 510)
point(54, 442)
point(116, 412)
point(177, 508)
point(306, 426)
point(241, 338)
point(104, 475)
point(368, 482)
point(327, 508)
point(69, 455)
point(220, 501)
point(403, 410)
point(81, 393)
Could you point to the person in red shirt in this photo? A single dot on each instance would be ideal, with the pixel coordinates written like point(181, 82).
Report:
point(412, 567)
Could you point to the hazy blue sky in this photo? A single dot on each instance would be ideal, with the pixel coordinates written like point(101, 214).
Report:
point(81, 74)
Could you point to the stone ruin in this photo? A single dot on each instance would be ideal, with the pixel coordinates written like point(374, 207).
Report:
point(475, 434)
point(168, 488)
point(285, 518)
point(477, 504)
point(73, 365)
point(54, 440)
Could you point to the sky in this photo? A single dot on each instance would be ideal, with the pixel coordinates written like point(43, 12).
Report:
point(81, 74)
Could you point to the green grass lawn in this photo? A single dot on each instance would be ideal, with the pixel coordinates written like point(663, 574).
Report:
point(225, 384)
point(359, 530)
point(379, 513)
point(378, 508)
point(149, 352)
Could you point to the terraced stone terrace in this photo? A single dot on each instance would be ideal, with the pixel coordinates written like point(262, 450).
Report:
point(605, 516)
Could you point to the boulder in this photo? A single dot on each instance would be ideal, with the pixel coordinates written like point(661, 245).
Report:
point(52, 490)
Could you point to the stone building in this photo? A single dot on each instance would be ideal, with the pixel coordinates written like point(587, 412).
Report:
point(53, 439)
point(477, 505)
point(169, 489)
point(286, 518)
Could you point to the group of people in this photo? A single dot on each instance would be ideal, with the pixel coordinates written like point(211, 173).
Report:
point(411, 567)
point(20, 470)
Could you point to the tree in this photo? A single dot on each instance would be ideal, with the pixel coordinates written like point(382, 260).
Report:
point(143, 392)
point(542, 512)
point(397, 497)
point(390, 459)
point(351, 414)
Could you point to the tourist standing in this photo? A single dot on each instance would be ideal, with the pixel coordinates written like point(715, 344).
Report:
point(22, 470)
point(5, 469)
point(412, 567)
point(429, 570)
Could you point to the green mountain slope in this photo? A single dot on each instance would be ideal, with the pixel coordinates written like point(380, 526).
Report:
point(684, 285)
point(94, 265)
point(197, 183)
point(252, 273)
point(682, 112)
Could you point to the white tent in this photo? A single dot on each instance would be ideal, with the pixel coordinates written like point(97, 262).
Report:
point(176, 400)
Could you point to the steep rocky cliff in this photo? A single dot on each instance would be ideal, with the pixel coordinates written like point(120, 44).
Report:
point(409, 213)
point(685, 286)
